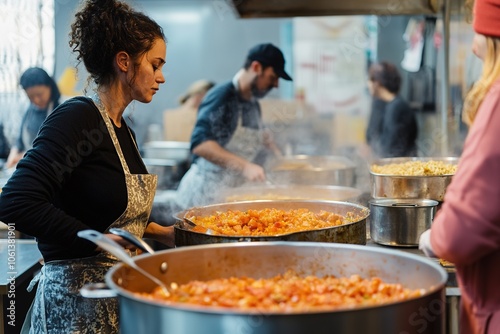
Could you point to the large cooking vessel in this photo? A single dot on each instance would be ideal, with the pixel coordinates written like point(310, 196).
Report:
point(283, 192)
point(415, 187)
point(170, 150)
point(352, 233)
point(266, 259)
point(312, 170)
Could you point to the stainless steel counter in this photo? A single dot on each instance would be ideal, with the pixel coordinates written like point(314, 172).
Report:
point(19, 263)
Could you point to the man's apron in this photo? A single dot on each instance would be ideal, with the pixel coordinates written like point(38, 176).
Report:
point(58, 306)
point(201, 182)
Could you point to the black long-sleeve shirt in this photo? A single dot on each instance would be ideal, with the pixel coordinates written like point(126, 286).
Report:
point(392, 129)
point(71, 180)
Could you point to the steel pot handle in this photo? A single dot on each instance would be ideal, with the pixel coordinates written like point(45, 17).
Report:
point(97, 290)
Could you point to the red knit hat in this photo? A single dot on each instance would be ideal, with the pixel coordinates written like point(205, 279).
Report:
point(487, 17)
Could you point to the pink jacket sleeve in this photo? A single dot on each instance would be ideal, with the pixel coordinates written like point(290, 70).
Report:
point(467, 227)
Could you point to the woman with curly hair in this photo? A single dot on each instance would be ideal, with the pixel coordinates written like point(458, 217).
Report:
point(85, 171)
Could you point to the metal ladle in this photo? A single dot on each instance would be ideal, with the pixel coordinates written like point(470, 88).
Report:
point(114, 248)
point(191, 223)
point(133, 239)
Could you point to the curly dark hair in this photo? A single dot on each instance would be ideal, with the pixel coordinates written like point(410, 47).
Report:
point(387, 75)
point(102, 28)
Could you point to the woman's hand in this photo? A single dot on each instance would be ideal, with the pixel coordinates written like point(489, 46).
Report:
point(424, 244)
point(163, 234)
point(13, 158)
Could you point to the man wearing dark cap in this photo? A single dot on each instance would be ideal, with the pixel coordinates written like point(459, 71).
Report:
point(228, 133)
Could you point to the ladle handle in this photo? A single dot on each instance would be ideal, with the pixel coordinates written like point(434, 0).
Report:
point(136, 241)
point(107, 244)
point(114, 248)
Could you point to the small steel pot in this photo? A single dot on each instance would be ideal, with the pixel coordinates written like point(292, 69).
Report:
point(400, 222)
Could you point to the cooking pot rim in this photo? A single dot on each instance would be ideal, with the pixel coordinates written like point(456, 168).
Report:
point(403, 202)
point(349, 164)
point(122, 292)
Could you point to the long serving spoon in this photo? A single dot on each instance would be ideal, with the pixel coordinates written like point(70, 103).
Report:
point(114, 248)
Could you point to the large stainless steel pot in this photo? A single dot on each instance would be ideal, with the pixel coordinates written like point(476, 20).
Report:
point(266, 259)
point(171, 150)
point(353, 232)
point(416, 187)
point(167, 170)
point(312, 170)
point(281, 192)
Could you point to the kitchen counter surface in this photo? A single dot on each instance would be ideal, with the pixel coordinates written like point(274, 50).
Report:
point(18, 265)
point(27, 259)
point(451, 284)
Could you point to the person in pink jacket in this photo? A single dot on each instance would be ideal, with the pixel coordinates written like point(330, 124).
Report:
point(466, 230)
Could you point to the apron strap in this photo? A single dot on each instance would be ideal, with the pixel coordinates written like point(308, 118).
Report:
point(111, 130)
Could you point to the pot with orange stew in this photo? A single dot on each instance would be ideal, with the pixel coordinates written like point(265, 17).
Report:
point(273, 220)
point(418, 305)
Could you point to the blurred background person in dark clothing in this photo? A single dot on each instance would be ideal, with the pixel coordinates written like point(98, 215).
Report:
point(392, 128)
point(44, 96)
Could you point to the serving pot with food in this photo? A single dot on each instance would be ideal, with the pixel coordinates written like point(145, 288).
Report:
point(142, 312)
point(268, 220)
point(288, 192)
point(417, 178)
point(312, 170)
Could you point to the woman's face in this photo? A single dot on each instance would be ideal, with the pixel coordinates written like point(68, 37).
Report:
point(479, 46)
point(148, 75)
point(39, 95)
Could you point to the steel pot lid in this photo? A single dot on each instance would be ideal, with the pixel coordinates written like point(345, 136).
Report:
point(404, 202)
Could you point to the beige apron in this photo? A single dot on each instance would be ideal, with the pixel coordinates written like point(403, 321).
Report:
point(58, 307)
point(199, 185)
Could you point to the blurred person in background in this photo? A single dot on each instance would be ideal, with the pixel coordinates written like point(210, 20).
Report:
point(466, 230)
point(4, 146)
point(85, 171)
point(179, 122)
point(392, 128)
point(229, 134)
point(44, 95)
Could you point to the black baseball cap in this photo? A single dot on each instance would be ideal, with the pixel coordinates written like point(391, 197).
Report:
point(269, 55)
